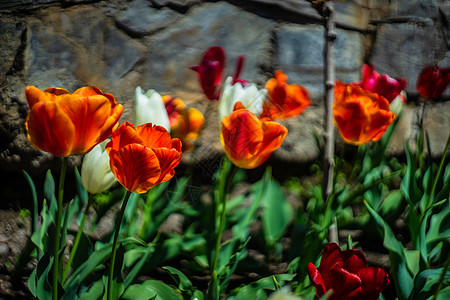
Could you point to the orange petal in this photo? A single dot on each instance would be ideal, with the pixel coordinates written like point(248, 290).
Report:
point(380, 121)
point(126, 134)
point(285, 101)
point(49, 129)
point(351, 121)
point(112, 121)
point(135, 167)
point(154, 136)
point(35, 95)
point(88, 114)
point(241, 136)
point(168, 160)
point(88, 91)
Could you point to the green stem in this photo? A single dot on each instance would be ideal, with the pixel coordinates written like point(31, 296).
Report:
point(436, 179)
point(73, 251)
point(224, 192)
point(57, 240)
point(114, 245)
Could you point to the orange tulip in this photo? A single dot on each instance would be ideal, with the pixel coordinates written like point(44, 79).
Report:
point(360, 116)
point(142, 157)
point(185, 123)
point(285, 100)
point(249, 141)
point(66, 124)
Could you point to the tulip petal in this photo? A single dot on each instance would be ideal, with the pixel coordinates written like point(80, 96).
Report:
point(168, 160)
point(341, 282)
point(274, 135)
point(241, 136)
point(88, 115)
point(126, 134)
point(353, 260)
point(331, 257)
point(135, 167)
point(285, 100)
point(316, 280)
point(351, 120)
point(35, 95)
point(49, 129)
point(374, 281)
point(380, 121)
point(154, 136)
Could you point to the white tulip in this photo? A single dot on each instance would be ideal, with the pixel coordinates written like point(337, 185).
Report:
point(250, 96)
point(96, 173)
point(150, 108)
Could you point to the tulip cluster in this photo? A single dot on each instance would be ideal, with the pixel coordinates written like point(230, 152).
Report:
point(248, 133)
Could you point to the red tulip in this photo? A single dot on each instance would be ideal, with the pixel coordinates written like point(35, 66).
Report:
point(360, 116)
point(347, 274)
point(247, 140)
point(285, 100)
point(381, 84)
point(144, 156)
point(66, 124)
point(210, 71)
point(433, 81)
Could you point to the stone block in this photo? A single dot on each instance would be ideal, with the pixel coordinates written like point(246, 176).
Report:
point(300, 54)
point(63, 53)
point(445, 10)
point(140, 18)
point(172, 51)
point(436, 123)
point(404, 9)
point(11, 40)
point(403, 131)
point(402, 50)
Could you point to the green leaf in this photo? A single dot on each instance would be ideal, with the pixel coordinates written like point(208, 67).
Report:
point(49, 193)
point(35, 213)
point(183, 283)
point(84, 250)
point(143, 253)
point(117, 280)
point(393, 206)
point(426, 283)
point(150, 289)
point(38, 282)
point(95, 291)
point(256, 289)
point(95, 261)
point(402, 277)
point(439, 228)
point(277, 213)
point(409, 183)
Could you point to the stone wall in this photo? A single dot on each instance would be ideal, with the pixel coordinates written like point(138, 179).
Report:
point(118, 45)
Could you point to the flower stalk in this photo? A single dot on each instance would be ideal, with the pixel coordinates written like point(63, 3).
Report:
point(77, 239)
point(57, 240)
point(114, 245)
point(226, 180)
